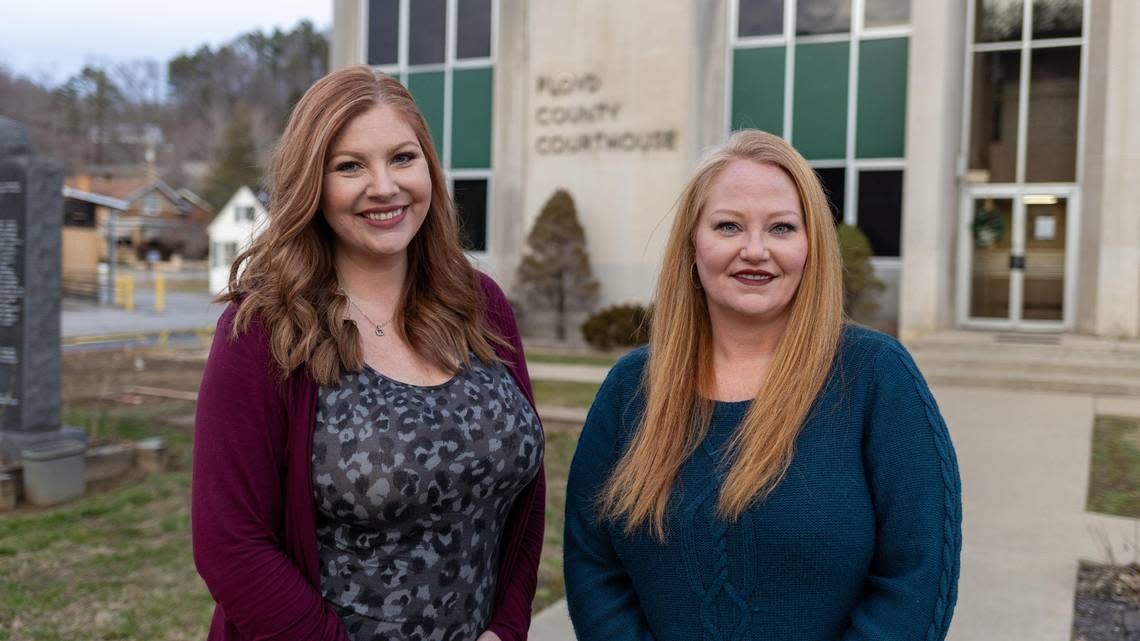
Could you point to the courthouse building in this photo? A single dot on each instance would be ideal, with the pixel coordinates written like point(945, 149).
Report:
point(989, 149)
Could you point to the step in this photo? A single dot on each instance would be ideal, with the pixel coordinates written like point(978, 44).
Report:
point(560, 372)
point(1074, 344)
point(1033, 381)
point(1017, 363)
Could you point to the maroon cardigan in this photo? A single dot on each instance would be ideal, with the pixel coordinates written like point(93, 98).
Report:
point(252, 506)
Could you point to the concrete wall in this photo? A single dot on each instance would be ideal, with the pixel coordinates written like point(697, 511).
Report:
point(1092, 169)
point(346, 43)
point(1118, 274)
point(620, 71)
point(505, 229)
point(711, 50)
point(930, 186)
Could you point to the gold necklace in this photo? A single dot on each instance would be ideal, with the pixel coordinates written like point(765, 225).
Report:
point(379, 326)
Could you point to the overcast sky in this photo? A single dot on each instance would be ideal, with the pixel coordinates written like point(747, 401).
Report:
point(49, 40)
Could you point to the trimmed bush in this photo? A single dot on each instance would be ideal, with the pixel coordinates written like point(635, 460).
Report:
point(860, 286)
point(618, 326)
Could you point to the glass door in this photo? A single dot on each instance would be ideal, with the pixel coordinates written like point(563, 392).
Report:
point(1017, 251)
point(1023, 120)
point(991, 274)
point(1045, 255)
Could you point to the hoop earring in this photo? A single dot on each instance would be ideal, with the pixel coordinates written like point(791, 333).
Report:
point(695, 277)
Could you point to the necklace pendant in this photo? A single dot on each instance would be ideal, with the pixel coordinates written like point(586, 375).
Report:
point(379, 331)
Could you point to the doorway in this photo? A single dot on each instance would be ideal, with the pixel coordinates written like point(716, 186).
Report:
point(1017, 250)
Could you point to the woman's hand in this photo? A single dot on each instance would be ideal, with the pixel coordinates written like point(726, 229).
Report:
point(488, 636)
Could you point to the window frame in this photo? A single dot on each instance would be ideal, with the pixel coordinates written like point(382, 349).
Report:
point(402, 69)
point(488, 224)
point(1025, 47)
point(857, 35)
point(1018, 189)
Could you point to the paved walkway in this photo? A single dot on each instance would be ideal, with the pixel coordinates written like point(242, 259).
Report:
point(1024, 460)
point(559, 372)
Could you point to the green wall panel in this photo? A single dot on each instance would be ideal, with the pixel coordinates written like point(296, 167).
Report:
point(427, 88)
point(471, 106)
point(819, 112)
point(880, 130)
point(758, 89)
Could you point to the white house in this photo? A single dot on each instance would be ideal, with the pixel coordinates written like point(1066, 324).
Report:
point(232, 230)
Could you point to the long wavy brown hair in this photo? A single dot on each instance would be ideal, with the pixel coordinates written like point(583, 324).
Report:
point(287, 280)
point(676, 416)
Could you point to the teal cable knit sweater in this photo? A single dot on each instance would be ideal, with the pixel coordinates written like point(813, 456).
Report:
point(859, 541)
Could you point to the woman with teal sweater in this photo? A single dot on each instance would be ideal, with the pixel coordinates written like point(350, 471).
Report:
point(762, 470)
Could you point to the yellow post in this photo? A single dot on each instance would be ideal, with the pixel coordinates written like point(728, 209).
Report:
point(159, 292)
point(119, 285)
point(205, 336)
point(129, 293)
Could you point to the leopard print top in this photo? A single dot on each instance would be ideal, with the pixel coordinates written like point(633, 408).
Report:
point(413, 485)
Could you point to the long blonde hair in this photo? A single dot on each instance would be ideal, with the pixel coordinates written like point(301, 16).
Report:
point(676, 416)
point(287, 279)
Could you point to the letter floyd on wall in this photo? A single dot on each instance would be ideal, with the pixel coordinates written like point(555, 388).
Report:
point(605, 115)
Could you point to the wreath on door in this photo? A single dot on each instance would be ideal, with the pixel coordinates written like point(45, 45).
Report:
point(989, 224)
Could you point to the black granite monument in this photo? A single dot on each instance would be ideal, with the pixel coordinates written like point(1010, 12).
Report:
point(31, 216)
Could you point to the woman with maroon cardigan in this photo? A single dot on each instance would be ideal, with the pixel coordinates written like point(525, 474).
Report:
point(367, 459)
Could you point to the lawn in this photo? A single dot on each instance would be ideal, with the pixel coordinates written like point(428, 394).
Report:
point(559, 451)
point(114, 564)
point(600, 359)
point(1114, 480)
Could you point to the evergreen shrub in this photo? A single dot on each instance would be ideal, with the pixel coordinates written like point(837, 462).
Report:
point(618, 326)
point(860, 285)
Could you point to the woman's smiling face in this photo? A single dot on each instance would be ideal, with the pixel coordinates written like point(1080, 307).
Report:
point(750, 243)
point(377, 187)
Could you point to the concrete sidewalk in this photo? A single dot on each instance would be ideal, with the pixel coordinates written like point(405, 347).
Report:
point(560, 372)
point(1024, 460)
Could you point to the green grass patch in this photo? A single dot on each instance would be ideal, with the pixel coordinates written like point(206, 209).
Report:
point(559, 452)
point(1114, 478)
point(600, 360)
point(564, 393)
point(115, 565)
point(117, 422)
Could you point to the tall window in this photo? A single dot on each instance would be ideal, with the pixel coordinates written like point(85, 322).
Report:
point(150, 204)
point(1024, 90)
point(830, 76)
point(244, 214)
point(223, 253)
point(443, 52)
